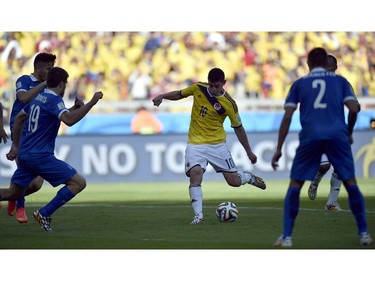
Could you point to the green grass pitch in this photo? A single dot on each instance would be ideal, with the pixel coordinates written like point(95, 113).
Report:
point(157, 216)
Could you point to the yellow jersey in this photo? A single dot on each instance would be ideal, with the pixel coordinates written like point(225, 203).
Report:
point(208, 114)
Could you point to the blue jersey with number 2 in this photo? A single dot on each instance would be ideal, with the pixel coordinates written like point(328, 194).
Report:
point(43, 123)
point(321, 95)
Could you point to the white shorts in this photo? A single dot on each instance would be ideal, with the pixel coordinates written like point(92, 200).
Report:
point(218, 155)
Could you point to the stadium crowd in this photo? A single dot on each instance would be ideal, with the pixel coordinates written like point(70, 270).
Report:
point(139, 65)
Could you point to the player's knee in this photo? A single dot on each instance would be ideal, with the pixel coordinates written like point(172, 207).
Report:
point(36, 184)
point(77, 183)
point(82, 184)
point(324, 168)
point(196, 172)
point(349, 182)
point(14, 192)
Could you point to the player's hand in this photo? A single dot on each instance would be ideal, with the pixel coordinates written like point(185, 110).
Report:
point(3, 136)
point(12, 154)
point(78, 103)
point(351, 139)
point(253, 158)
point(157, 100)
point(97, 96)
point(275, 159)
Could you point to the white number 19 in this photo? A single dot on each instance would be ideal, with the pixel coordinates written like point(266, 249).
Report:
point(33, 118)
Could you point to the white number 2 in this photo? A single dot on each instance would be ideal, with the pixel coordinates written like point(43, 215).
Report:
point(33, 118)
point(322, 90)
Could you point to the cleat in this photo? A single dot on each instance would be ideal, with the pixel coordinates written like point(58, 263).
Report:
point(21, 215)
point(365, 238)
point(197, 219)
point(312, 191)
point(11, 209)
point(256, 181)
point(334, 206)
point(286, 242)
point(44, 222)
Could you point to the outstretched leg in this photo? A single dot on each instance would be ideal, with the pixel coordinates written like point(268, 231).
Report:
point(313, 188)
point(18, 207)
point(73, 186)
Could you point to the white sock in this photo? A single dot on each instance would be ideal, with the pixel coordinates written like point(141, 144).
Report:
point(245, 177)
point(335, 188)
point(196, 199)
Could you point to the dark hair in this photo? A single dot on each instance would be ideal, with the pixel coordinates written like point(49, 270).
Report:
point(44, 58)
point(317, 57)
point(216, 75)
point(55, 76)
point(332, 63)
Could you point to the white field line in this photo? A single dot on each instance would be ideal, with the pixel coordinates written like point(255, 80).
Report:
point(369, 211)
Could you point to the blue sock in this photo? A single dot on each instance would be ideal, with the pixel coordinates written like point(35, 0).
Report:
point(357, 205)
point(21, 202)
point(291, 207)
point(62, 196)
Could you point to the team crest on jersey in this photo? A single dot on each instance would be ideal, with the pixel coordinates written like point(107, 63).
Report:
point(187, 164)
point(61, 105)
point(217, 106)
point(19, 85)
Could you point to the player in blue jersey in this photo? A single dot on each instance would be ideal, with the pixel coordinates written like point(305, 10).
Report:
point(35, 150)
point(27, 87)
point(335, 182)
point(321, 96)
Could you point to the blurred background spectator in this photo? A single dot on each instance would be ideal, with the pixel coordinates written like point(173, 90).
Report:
point(138, 65)
point(145, 122)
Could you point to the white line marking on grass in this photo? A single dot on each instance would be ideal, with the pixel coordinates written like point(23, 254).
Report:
point(370, 211)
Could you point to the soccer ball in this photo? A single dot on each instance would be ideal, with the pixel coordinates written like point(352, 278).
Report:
point(227, 212)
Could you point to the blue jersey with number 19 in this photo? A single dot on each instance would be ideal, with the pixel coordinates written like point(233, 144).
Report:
point(43, 124)
point(321, 95)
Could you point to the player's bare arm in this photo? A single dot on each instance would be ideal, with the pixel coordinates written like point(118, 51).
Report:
point(3, 135)
point(354, 107)
point(283, 132)
point(17, 132)
point(174, 95)
point(72, 117)
point(27, 96)
point(242, 138)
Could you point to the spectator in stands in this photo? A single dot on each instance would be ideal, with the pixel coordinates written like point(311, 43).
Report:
point(140, 83)
point(192, 53)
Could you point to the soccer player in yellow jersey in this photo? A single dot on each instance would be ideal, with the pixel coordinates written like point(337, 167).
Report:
point(207, 137)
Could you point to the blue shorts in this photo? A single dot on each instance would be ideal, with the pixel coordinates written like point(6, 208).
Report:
point(50, 168)
point(309, 154)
